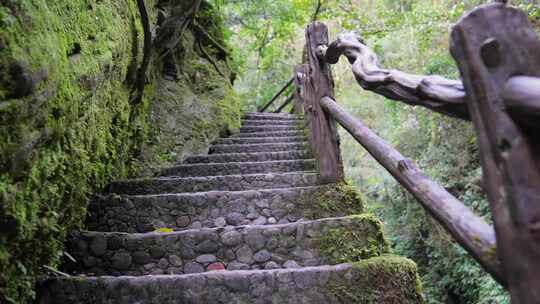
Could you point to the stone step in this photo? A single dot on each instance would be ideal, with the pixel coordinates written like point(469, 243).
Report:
point(270, 116)
point(300, 244)
point(146, 213)
point(250, 157)
point(258, 129)
point(265, 122)
point(253, 148)
point(270, 134)
point(259, 140)
point(214, 169)
point(213, 183)
point(382, 280)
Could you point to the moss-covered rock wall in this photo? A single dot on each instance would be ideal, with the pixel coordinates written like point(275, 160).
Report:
point(71, 120)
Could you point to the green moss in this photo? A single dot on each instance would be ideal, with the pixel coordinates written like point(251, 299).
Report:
point(332, 200)
point(362, 239)
point(78, 129)
point(380, 280)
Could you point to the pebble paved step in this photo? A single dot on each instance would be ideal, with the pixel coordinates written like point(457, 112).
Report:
point(270, 116)
point(259, 122)
point(271, 134)
point(392, 283)
point(250, 157)
point(233, 248)
point(309, 285)
point(214, 169)
point(146, 213)
point(266, 147)
point(209, 183)
point(256, 129)
point(259, 140)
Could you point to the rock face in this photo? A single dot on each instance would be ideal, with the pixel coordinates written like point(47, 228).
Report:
point(241, 238)
point(72, 117)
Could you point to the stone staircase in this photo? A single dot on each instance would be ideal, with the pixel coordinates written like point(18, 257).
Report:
point(247, 223)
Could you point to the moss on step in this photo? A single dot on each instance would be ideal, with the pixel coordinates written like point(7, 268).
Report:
point(381, 280)
point(362, 239)
point(378, 278)
point(332, 200)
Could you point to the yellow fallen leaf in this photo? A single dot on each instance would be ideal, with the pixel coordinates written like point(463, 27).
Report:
point(164, 230)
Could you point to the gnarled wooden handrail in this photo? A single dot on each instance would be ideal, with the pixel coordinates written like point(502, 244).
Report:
point(436, 93)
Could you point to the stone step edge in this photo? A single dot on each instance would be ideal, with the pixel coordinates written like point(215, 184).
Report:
point(312, 283)
point(168, 178)
point(283, 115)
point(248, 121)
point(267, 162)
point(218, 229)
point(300, 143)
point(342, 266)
point(302, 138)
point(279, 133)
point(202, 193)
point(305, 142)
point(244, 154)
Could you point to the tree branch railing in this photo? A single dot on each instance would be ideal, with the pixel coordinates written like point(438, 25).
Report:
point(497, 53)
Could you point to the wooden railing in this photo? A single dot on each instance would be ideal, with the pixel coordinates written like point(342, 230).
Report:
point(498, 55)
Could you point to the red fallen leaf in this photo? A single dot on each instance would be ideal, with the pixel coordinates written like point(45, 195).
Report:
point(216, 267)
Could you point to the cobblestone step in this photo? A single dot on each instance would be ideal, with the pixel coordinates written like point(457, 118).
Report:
point(214, 169)
point(218, 183)
point(257, 129)
point(264, 122)
point(251, 148)
point(270, 134)
point(270, 116)
point(382, 280)
point(146, 213)
point(259, 140)
point(250, 157)
point(300, 244)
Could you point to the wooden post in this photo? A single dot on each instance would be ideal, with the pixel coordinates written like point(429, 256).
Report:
point(300, 73)
point(322, 128)
point(492, 44)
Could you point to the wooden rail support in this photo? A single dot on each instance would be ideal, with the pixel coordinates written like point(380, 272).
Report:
point(492, 44)
point(269, 103)
point(469, 230)
point(322, 128)
point(285, 103)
